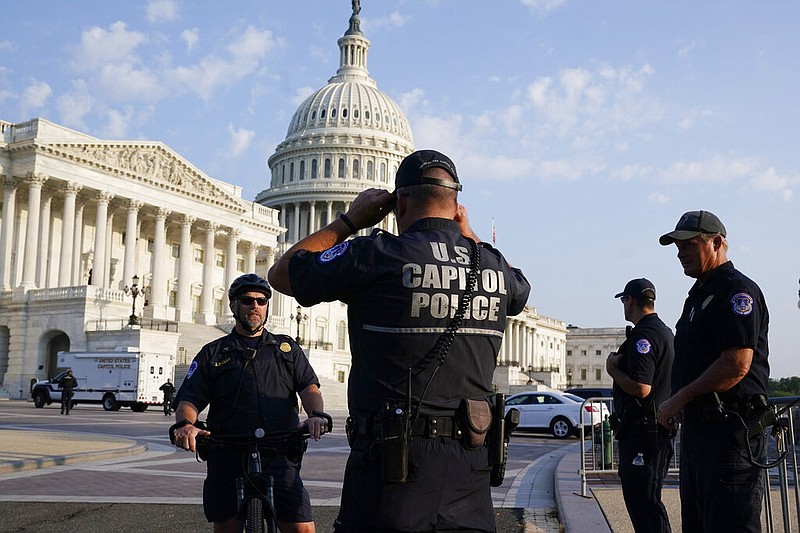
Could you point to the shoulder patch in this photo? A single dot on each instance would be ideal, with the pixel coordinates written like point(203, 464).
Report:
point(191, 370)
point(332, 253)
point(285, 347)
point(643, 346)
point(742, 304)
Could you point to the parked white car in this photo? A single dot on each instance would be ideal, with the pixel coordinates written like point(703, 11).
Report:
point(555, 412)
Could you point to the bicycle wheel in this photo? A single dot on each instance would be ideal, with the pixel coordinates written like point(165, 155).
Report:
point(254, 519)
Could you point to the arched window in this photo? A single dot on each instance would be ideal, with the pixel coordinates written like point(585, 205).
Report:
point(370, 171)
point(366, 114)
point(333, 113)
point(341, 335)
point(302, 170)
point(341, 167)
point(291, 171)
point(355, 113)
point(327, 168)
point(382, 174)
point(344, 113)
point(355, 169)
point(322, 114)
point(313, 115)
point(313, 169)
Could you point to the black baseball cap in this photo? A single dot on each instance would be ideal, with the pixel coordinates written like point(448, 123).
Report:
point(412, 168)
point(639, 288)
point(692, 224)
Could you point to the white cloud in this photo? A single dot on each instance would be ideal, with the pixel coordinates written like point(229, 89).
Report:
point(35, 96)
point(117, 123)
point(658, 198)
point(75, 105)
point(770, 181)
point(162, 11)
point(301, 94)
point(240, 140)
point(191, 38)
point(100, 47)
point(6, 46)
point(408, 101)
point(717, 169)
point(123, 82)
point(543, 7)
point(393, 20)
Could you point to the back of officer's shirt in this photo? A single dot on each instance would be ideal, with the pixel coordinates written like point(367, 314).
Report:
point(402, 291)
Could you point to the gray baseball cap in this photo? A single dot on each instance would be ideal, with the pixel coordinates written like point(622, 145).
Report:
point(692, 224)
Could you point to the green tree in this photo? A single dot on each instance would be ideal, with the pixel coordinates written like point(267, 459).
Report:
point(784, 386)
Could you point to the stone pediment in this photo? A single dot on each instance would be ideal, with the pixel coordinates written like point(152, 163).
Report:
point(149, 163)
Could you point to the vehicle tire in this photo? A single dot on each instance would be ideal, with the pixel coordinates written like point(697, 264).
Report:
point(254, 521)
point(110, 403)
point(561, 428)
point(138, 407)
point(39, 399)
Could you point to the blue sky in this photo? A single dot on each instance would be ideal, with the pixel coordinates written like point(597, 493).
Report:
point(584, 129)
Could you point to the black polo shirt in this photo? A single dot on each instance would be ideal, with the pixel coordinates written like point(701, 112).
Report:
point(726, 310)
point(245, 394)
point(647, 356)
point(401, 293)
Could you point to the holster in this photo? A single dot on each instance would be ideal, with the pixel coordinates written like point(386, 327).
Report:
point(757, 416)
point(475, 416)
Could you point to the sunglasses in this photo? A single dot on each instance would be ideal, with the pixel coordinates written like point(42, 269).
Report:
point(248, 300)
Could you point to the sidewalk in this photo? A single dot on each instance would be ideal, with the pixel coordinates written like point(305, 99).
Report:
point(553, 477)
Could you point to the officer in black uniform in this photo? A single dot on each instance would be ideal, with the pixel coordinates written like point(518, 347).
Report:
point(68, 384)
point(169, 391)
point(250, 379)
point(415, 363)
point(641, 371)
point(719, 382)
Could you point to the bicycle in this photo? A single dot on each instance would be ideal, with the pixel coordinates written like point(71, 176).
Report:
point(254, 491)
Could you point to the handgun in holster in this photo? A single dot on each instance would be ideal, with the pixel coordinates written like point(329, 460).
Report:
point(395, 429)
point(499, 436)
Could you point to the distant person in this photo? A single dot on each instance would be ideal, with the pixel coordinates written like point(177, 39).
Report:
point(719, 381)
point(169, 391)
point(68, 384)
point(250, 379)
point(641, 370)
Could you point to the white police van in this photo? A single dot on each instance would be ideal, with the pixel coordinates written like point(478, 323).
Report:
point(114, 379)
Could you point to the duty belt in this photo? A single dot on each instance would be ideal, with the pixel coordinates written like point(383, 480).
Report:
point(707, 410)
point(429, 427)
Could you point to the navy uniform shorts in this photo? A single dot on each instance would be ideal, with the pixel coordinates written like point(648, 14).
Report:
point(291, 500)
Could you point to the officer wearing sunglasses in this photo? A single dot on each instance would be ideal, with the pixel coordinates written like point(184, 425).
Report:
point(250, 379)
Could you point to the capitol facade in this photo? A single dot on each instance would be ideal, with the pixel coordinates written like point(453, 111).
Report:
point(125, 244)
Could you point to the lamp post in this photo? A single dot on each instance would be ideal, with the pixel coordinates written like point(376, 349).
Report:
point(298, 317)
point(530, 374)
point(134, 291)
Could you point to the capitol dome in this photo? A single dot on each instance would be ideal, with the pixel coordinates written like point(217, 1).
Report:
point(346, 137)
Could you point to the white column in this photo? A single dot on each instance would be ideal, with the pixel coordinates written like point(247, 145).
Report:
point(77, 247)
point(158, 285)
point(44, 255)
point(131, 225)
point(230, 267)
point(207, 295)
point(67, 234)
point(183, 311)
point(35, 182)
point(282, 219)
point(329, 211)
point(101, 220)
point(109, 267)
point(7, 231)
point(252, 252)
point(296, 228)
point(312, 215)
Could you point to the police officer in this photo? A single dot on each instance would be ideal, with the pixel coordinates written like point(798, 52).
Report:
point(415, 364)
point(641, 371)
point(719, 382)
point(249, 379)
point(169, 391)
point(68, 384)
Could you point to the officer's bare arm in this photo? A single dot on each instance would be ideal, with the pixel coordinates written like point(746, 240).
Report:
point(369, 208)
point(312, 401)
point(185, 436)
point(728, 370)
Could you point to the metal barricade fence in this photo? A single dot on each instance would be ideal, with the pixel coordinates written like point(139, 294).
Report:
point(599, 457)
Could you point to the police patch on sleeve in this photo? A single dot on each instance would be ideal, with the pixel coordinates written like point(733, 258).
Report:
point(643, 346)
point(742, 304)
point(191, 370)
point(332, 253)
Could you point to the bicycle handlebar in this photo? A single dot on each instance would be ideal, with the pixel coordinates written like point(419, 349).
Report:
point(263, 437)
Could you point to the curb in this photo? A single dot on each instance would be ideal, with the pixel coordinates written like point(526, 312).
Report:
point(577, 513)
